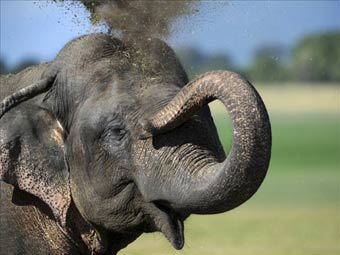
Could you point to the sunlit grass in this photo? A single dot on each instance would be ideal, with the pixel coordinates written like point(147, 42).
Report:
point(292, 213)
point(299, 140)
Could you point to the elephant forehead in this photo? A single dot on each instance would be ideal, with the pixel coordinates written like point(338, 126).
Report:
point(113, 100)
point(154, 97)
point(88, 48)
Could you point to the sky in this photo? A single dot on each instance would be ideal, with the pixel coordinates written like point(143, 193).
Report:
point(38, 30)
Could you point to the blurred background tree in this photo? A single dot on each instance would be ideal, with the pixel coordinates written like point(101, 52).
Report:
point(5, 69)
point(269, 64)
point(317, 58)
point(196, 62)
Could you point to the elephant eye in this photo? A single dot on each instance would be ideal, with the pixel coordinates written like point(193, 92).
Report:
point(113, 133)
point(116, 133)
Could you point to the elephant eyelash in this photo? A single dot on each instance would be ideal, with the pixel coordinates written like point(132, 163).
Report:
point(113, 134)
point(118, 132)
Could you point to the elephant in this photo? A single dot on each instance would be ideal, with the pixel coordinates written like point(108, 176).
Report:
point(110, 140)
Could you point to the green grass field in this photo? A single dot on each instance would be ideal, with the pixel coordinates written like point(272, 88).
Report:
point(296, 210)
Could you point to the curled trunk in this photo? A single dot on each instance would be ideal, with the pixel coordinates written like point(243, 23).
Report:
point(232, 182)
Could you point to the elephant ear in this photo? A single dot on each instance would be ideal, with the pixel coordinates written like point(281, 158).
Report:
point(32, 156)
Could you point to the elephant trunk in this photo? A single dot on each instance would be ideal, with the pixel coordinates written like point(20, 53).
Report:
point(230, 183)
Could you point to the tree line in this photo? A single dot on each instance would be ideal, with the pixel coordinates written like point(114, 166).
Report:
point(315, 58)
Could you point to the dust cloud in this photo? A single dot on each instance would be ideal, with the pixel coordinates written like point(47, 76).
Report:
point(139, 19)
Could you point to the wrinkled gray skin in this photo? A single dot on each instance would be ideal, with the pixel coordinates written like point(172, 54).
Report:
point(116, 145)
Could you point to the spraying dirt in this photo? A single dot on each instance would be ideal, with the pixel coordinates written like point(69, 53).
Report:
point(139, 19)
point(136, 22)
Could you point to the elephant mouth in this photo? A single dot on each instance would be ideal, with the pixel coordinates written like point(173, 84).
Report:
point(159, 217)
point(168, 222)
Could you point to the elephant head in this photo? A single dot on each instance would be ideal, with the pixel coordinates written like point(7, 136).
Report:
point(117, 129)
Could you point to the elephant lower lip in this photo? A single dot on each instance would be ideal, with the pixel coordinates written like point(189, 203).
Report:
point(168, 223)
